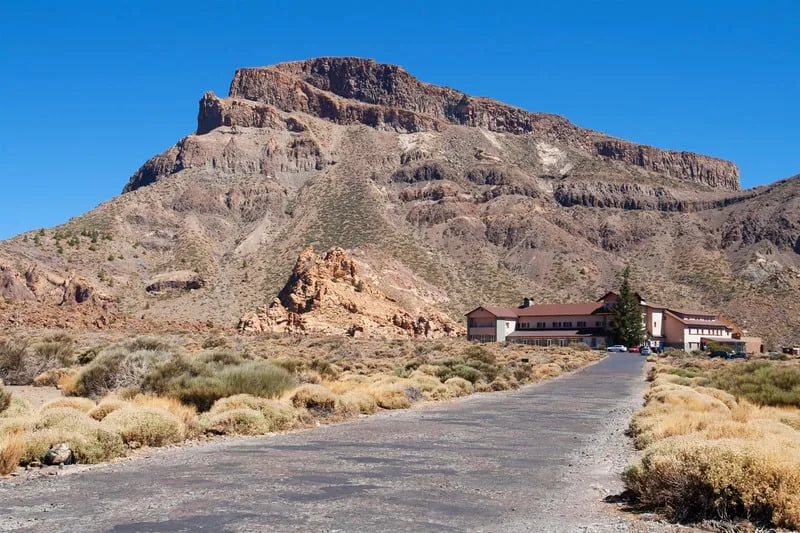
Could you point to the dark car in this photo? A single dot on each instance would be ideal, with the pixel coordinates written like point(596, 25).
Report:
point(739, 355)
point(721, 353)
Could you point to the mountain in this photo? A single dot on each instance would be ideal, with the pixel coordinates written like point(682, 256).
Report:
point(444, 200)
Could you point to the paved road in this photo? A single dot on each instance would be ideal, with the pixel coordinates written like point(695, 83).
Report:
point(537, 459)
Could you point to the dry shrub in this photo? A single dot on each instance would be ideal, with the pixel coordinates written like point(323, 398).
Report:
point(105, 407)
point(5, 398)
point(691, 479)
point(547, 371)
point(710, 455)
point(391, 396)
point(21, 361)
point(149, 426)
point(241, 421)
point(18, 407)
point(460, 385)
point(116, 368)
point(68, 383)
point(187, 414)
point(315, 398)
point(89, 441)
point(358, 402)
point(51, 378)
point(279, 415)
point(12, 448)
point(424, 382)
point(81, 404)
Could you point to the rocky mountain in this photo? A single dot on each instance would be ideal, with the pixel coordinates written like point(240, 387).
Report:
point(445, 201)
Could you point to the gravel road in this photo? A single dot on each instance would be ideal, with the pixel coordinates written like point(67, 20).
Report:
point(537, 459)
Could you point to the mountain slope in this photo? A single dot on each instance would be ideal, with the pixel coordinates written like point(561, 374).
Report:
point(446, 201)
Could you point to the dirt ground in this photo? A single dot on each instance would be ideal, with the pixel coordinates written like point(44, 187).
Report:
point(37, 396)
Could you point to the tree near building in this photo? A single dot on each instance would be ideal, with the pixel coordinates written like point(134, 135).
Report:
point(626, 325)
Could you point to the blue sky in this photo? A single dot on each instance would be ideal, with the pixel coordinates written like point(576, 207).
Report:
point(92, 90)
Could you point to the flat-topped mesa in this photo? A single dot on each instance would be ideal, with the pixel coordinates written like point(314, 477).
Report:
point(349, 90)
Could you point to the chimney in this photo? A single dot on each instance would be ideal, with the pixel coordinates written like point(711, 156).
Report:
point(526, 302)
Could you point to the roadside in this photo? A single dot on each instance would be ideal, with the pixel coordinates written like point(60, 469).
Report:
point(537, 459)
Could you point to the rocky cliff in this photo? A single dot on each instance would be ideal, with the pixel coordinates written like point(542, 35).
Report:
point(441, 200)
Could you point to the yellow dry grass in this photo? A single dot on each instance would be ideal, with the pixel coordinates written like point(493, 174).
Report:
point(81, 404)
point(12, 448)
point(709, 455)
point(187, 414)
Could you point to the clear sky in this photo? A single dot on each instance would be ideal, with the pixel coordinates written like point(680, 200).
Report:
point(91, 90)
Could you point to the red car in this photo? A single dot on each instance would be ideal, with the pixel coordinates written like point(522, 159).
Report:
point(634, 349)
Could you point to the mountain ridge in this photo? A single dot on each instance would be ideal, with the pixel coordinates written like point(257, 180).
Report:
point(442, 217)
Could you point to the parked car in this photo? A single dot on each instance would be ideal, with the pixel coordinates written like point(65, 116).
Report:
point(645, 350)
point(721, 353)
point(739, 355)
point(617, 348)
point(634, 349)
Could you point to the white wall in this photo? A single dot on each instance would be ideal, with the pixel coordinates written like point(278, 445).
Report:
point(504, 327)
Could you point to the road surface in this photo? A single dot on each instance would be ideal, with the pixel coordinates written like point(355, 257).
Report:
point(537, 459)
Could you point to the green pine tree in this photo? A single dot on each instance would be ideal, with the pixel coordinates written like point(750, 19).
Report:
point(626, 326)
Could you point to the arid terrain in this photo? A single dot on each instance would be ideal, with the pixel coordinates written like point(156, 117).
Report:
point(443, 200)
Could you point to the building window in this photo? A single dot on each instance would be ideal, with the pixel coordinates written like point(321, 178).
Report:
point(598, 324)
point(581, 324)
point(556, 324)
point(567, 324)
point(540, 325)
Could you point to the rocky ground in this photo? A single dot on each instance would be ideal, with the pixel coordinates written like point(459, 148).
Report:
point(538, 459)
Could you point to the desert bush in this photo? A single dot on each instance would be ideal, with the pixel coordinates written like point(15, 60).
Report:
point(462, 386)
point(12, 449)
point(51, 378)
point(279, 415)
point(5, 399)
point(692, 479)
point(361, 402)
point(241, 421)
point(391, 397)
point(187, 414)
point(221, 358)
point(324, 368)
point(117, 368)
point(81, 404)
point(215, 341)
point(18, 407)
point(289, 364)
point(21, 362)
point(480, 353)
point(547, 371)
point(315, 398)
point(59, 347)
point(256, 378)
point(149, 426)
point(148, 344)
point(760, 382)
point(105, 407)
point(579, 346)
point(199, 391)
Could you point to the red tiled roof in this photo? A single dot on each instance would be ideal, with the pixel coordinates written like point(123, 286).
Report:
point(561, 310)
point(701, 323)
point(499, 312)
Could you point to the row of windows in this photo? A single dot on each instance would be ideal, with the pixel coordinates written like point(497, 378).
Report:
point(704, 331)
point(559, 325)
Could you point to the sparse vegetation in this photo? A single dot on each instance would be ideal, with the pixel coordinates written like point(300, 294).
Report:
point(710, 451)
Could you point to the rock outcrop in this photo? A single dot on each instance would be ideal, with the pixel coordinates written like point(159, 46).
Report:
point(328, 295)
point(348, 90)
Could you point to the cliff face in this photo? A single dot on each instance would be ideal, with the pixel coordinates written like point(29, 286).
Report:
point(361, 91)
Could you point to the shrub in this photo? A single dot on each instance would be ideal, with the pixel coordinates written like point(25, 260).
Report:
point(18, 407)
point(199, 391)
point(187, 414)
point(12, 449)
point(459, 385)
point(148, 344)
point(289, 364)
point(51, 378)
point(480, 353)
point(221, 358)
point(56, 348)
point(256, 378)
point(324, 368)
point(760, 382)
point(116, 368)
point(315, 398)
point(81, 404)
point(359, 401)
point(20, 362)
point(105, 407)
point(241, 421)
point(279, 415)
point(149, 426)
point(5, 399)
point(691, 479)
point(579, 346)
point(391, 397)
point(215, 341)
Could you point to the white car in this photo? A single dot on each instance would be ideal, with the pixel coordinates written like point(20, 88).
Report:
point(617, 348)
